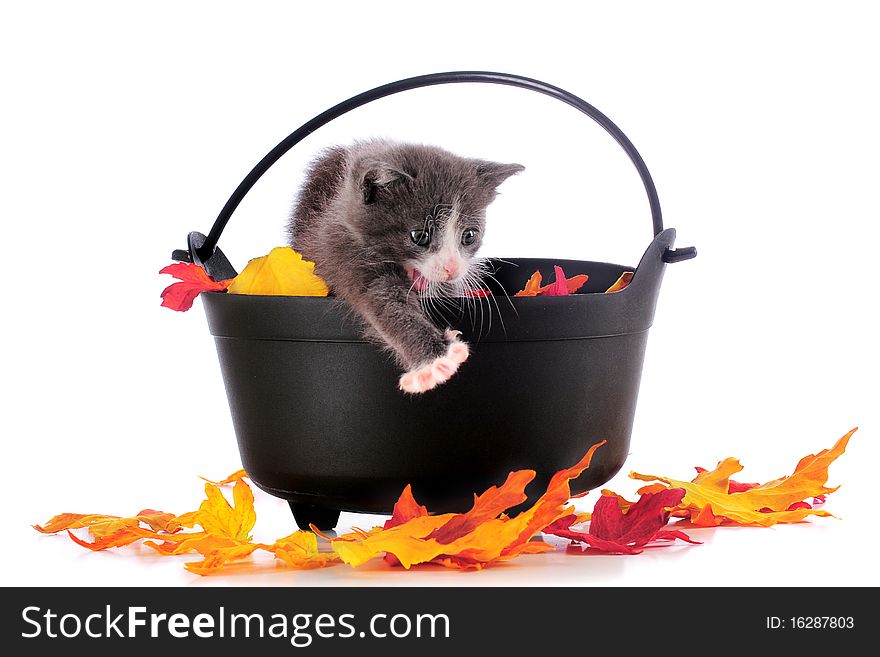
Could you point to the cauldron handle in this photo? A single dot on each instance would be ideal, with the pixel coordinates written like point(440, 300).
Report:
point(203, 250)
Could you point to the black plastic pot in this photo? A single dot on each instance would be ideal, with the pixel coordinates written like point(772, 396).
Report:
point(316, 409)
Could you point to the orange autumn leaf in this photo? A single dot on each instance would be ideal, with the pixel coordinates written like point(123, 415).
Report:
point(406, 508)
point(558, 492)
point(405, 541)
point(575, 283)
point(102, 525)
point(160, 521)
point(719, 478)
point(551, 506)
point(125, 536)
point(299, 550)
point(708, 502)
point(184, 543)
point(532, 287)
point(112, 531)
point(624, 280)
point(219, 518)
point(187, 519)
point(231, 479)
point(71, 521)
point(466, 544)
point(463, 560)
point(489, 505)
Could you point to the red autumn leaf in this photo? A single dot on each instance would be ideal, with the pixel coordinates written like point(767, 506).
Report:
point(405, 509)
point(612, 530)
point(557, 288)
point(563, 286)
point(794, 506)
point(193, 280)
point(739, 487)
point(562, 525)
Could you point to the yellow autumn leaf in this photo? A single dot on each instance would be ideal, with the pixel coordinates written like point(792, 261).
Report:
point(218, 518)
point(621, 283)
point(709, 502)
point(282, 272)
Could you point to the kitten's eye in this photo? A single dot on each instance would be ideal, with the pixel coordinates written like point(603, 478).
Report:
point(468, 237)
point(421, 237)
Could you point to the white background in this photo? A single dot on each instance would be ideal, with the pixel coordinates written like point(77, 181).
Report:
point(124, 127)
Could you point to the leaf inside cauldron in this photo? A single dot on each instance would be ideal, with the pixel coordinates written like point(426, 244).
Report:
point(283, 272)
point(560, 287)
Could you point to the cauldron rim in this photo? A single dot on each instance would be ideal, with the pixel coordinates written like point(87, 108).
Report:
point(576, 316)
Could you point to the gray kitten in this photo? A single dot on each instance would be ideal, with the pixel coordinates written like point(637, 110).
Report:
point(391, 226)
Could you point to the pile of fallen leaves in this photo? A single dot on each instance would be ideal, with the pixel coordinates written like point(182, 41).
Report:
point(220, 532)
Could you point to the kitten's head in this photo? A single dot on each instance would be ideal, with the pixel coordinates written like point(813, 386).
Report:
point(425, 207)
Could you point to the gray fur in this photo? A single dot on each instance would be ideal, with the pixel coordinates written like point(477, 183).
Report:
point(354, 216)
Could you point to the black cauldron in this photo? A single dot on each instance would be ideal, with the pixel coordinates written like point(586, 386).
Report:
point(316, 409)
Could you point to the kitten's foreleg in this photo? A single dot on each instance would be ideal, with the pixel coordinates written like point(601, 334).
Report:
point(430, 355)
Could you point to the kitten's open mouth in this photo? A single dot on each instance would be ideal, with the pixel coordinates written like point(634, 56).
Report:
point(420, 283)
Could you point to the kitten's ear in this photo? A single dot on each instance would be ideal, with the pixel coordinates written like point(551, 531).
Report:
point(377, 178)
point(493, 174)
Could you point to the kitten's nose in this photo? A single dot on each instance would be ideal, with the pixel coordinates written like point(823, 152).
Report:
point(451, 268)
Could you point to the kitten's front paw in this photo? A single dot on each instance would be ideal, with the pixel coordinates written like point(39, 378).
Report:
point(422, 379)
point(451, 335)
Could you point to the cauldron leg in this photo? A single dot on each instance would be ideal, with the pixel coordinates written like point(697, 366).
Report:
point(309, 514)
